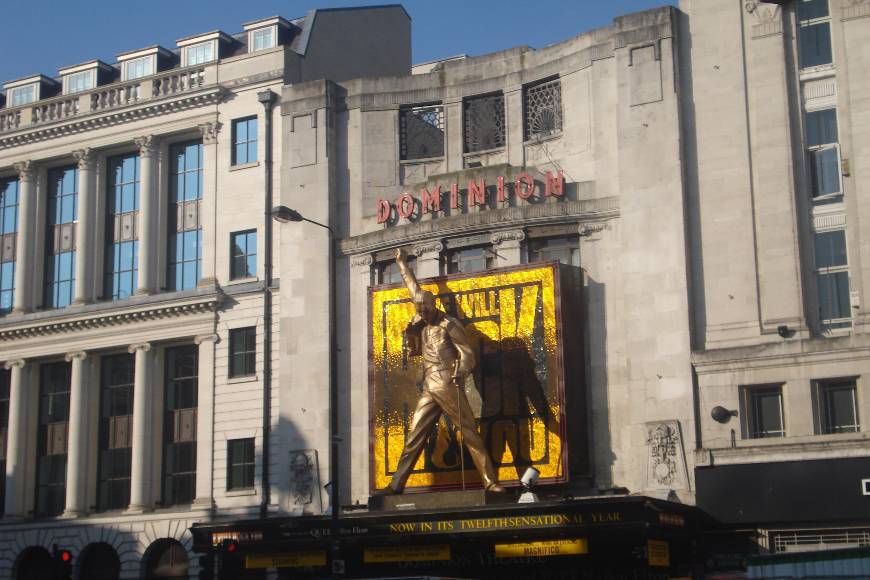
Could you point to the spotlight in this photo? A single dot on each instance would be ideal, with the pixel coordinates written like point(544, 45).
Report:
point(721, 414)
point(784, 331)
point(529, 479)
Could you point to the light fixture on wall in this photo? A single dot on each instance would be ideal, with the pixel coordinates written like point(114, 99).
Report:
point(529, 479)
point(721, 414)
point(784, 331)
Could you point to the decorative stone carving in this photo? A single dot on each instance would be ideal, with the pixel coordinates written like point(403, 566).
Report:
point(206, 338)
point(85, 158)
point(305, 481)
point(363, 260)
point(666, 461)
point(767, 18)
point(210, 132)
point(147, 145)
point(17, 363)
point(856, 9)
point(146, 346)
point(507, 236)
point(25, 170)
point(81, 355)
point(428, 248)
point(587, 230)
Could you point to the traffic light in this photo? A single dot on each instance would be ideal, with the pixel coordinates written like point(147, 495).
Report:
point(63, 564)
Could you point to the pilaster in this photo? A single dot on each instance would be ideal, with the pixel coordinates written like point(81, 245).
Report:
point(140, 471)
point(148, 208)
point(23, 298)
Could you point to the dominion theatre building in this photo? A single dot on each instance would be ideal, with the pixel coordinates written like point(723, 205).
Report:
point(650, 234)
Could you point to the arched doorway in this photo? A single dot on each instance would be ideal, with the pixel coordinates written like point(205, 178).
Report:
point(99, 562)
point(34, 562)
point(165, 558)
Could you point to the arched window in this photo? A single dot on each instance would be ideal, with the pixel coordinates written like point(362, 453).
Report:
point(34, 562)
point(166, 558)
point(99, 562)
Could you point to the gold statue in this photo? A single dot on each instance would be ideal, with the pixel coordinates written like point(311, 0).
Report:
point(447, 360)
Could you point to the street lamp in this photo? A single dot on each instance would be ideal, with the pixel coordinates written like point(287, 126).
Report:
point(284, 214)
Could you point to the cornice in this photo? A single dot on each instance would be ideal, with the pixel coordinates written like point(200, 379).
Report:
point(142, 110)
point(110, 317)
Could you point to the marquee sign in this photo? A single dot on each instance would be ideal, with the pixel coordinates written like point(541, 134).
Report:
point(477, 193)
point(513, 321)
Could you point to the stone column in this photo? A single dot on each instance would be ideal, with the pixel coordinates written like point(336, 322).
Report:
point(16, 441)
point(84, 237)
point(208, 204)
point(205, 421)
point(140, 471)
point(148, 208)
point(514, 123)
point(508, 246)
point(27, 231)
point(428, 259)
point(76, 471)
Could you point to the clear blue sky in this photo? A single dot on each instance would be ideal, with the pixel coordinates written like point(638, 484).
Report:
point(40, 36)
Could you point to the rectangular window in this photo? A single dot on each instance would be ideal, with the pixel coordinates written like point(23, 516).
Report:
point(185, 232)
point(484, 123)
point(243, 352)
point(565, 249)
point(763, 410)
point(838, 406)
point(388, 272)
point(19, 96)
point(466, 260)
point(200, 53)
point(54, 389)
point(8, 239)
point(180, 404)
point(116, 433)
point(421, 132)
point(823, 152)
point(139, 67)
point(5, 378)
point(240, 464)
point(243, 254)
point(542, 106)
point(264, 38)
point(814, 34)
point(60, 246)
point(832, 274)
point(244, 141)
point(122, 238)
point(80, 81)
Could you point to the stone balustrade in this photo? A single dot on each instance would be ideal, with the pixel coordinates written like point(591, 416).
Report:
point(105, 98)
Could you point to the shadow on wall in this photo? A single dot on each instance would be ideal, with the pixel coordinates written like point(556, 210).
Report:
point(598, 397)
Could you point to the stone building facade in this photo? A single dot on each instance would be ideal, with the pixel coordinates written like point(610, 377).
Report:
point(703, 170)
point(135, 288)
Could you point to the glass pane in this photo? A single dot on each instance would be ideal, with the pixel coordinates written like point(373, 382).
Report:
point(825, 168)
point(834, 296)
point(768, 407)
point(841, 409)
point(815, 41)
point(821, 127)
point(830, 249)
point(809, 9)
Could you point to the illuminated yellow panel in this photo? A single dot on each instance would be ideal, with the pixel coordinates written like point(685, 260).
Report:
point(391, 554)
point(542, 549)
point(287, 560)
point(510, 317)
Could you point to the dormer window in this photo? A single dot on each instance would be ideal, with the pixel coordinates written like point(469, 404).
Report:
point(203, 48)
point(199, 53)
point(85, 76)
point(28, 90)
point(19, 96)
point(263, 38)
point(144, 62)
point(139, 67)
point(267, 33)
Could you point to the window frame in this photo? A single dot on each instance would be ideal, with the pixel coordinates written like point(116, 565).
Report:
point(12, 95)
point(106, 453)
point(250, 466)
point(59, 269)
point(751, 395)
point(250, 356)
point(806, 23)
point(150, 68)
point(192, 48)
point(559, 119)
point(175, 384)
point(812, 150)
point(252, 38)
point(233, 256)
point(234, 157)
point(843, 322)
point(450, 266)
point(69, 89)
point(823, 389)
point(116, 212)
point(569, 242)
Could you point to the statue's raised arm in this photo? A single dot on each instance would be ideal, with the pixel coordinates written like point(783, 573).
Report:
point(407, 273)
